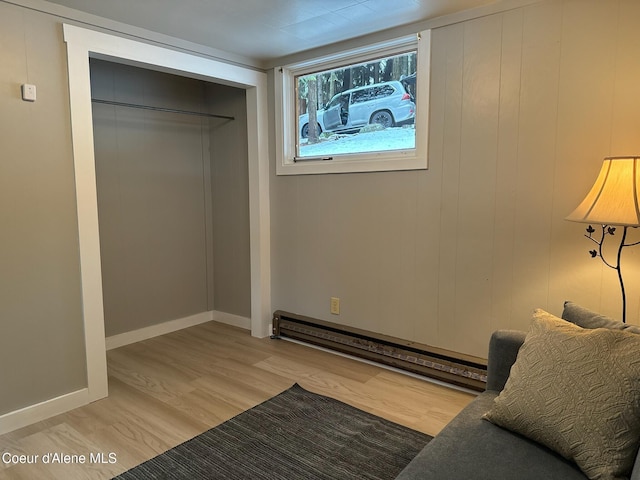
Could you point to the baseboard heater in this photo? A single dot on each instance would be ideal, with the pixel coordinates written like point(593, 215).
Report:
point(444, 365)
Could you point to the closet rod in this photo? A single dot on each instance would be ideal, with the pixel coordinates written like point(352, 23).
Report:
point(160, 109)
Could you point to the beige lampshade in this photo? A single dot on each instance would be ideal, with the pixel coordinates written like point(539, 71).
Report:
point(613, 199)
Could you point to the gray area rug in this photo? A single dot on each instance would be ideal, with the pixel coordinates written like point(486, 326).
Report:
point(294, 435)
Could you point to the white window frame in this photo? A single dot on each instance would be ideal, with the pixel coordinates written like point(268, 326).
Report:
point(286, 120)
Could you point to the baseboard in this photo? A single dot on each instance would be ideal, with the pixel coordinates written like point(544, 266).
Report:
point(41, 411)
point(146, 333)
point(231, 319)
point(126, 338)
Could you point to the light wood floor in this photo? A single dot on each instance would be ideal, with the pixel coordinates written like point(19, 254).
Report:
point(169, 389)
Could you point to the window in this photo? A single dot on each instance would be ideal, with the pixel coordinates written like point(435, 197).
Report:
point(356, 111)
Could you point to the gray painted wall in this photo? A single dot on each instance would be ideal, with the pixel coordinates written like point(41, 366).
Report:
point(230, 193)
point(524, 106)
point(40, 293)
point(171, 246)
point(151, 197)
point(41, 337)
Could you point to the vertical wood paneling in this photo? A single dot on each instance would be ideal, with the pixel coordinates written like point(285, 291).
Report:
point(506, 167)
point(428, 215)
point(313, 220)
point(626, 70)
point(536, 156)
point(524, 105)
point(452, 42)
point(585, 107)
point(398, 236)
point(479, 139)
point(284, 244)
point(625, 136)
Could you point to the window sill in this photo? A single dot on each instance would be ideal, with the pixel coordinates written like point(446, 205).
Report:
point(389, 161)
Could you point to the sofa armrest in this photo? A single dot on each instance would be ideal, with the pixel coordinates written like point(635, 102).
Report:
point(503, 350)
point(635, 473)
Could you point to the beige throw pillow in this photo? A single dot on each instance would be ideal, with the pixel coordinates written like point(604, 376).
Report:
point(577, 391)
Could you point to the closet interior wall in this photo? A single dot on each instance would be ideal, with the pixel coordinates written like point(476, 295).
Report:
point(172, 197)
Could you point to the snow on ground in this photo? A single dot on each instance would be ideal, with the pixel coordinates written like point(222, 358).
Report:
point(395, 138)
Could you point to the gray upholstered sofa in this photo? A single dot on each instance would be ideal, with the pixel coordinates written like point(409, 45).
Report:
point(472, 448)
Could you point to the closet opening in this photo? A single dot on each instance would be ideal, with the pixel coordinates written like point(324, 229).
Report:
point(173, 201)
point(84, 44)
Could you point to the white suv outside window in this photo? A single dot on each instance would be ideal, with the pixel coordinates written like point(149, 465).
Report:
point(387, 104)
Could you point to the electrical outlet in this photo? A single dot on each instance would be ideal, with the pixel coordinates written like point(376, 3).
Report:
point(335, 305)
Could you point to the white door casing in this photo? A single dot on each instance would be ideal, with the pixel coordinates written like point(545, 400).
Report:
point(83, 44)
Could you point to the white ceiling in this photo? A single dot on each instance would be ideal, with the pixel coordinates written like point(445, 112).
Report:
point(263, 30)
